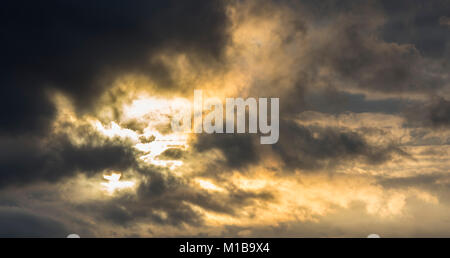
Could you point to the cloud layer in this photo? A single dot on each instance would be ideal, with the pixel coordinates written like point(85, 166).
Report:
point(88, 90)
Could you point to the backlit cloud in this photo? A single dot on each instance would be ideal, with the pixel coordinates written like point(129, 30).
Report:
point(89, 91)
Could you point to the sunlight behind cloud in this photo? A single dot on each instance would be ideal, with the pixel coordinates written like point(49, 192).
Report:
point(114, 184)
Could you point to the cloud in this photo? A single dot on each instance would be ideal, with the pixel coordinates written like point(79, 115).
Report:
point(167, 200)
point(17, 222)
point(79, 48)
point(357, 57)
point(435, 113)
point(239, 150)
point(354, 82)
point(27, 160)
point(417, 23)
point(444, 21)
point(318, 148)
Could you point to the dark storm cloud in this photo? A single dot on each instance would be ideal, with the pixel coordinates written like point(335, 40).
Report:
point(419, 23)
point(355, 51)
point(318, 148)
point(170, 194)
point(24, 160)
point(239, 149)
point(164, 199)
point(358, 58)
point(16, 222)
point(333, 101)
point(161, 199)
point(440, 112)
point(78, 46)
point(413, 22)
point(434, 114)
point(307, 148)
point(361, 45)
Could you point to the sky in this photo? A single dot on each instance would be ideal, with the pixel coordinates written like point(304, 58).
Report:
point(89, 88)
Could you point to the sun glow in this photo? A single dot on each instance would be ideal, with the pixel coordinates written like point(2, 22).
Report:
point(208, 185)
point(114, 130)
point(114, 184)
point(155, 114)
